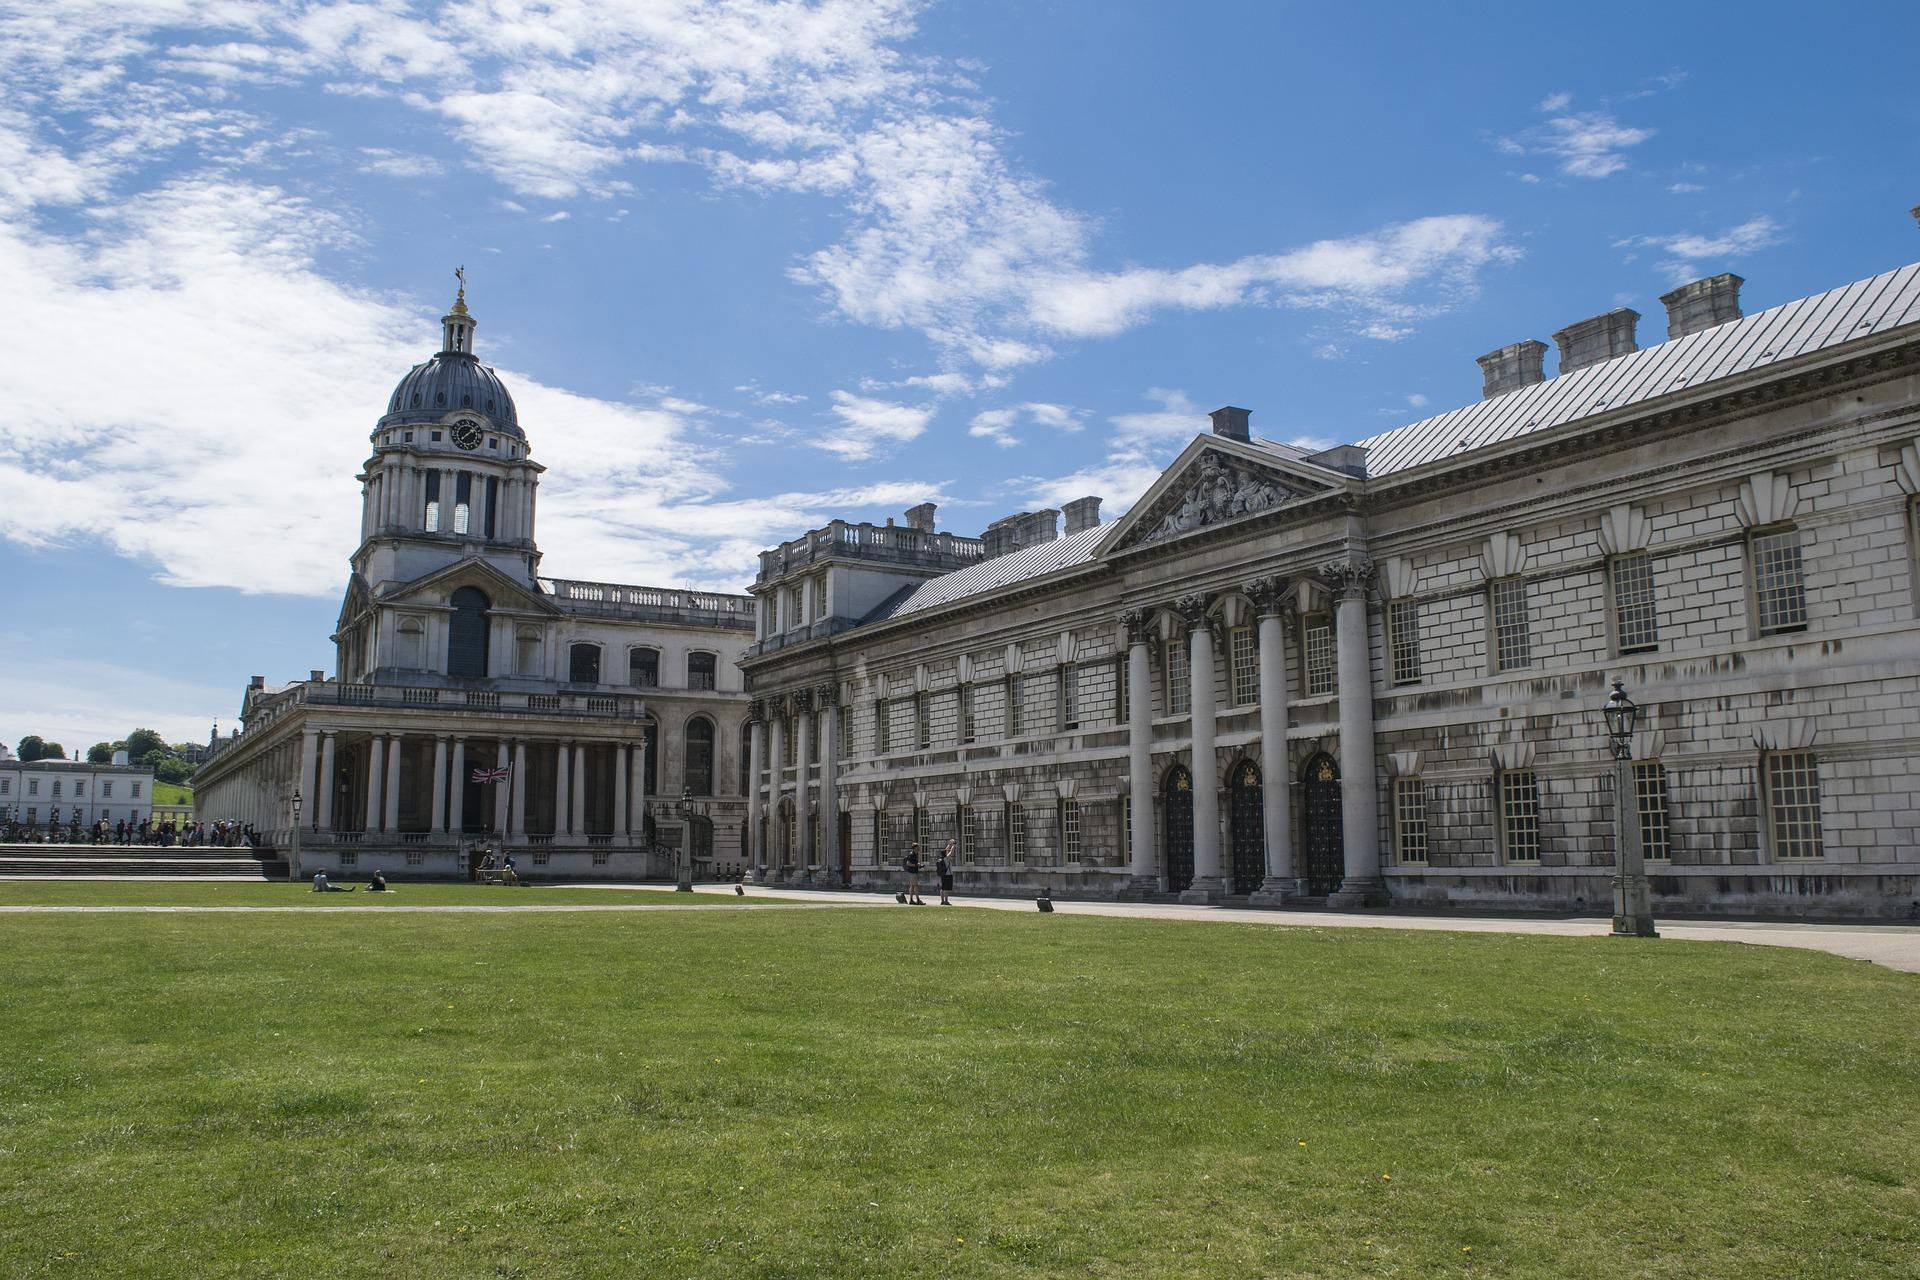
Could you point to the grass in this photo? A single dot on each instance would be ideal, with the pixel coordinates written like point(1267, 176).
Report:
point(254, 893)
point(172, 793)
point(887, 1093)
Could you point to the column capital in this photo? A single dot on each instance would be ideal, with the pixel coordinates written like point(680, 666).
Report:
point(757, 710)
point(1139, 625)
point(1349, 579)
point(1269, 596)
point(826, 695)
point(801, 700)
point(1192, 609)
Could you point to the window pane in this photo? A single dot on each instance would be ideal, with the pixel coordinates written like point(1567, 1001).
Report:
point(1513, 646)
point(1178, 700)
point(643, 668)
point(1793, 802)
point(1779, 593)
point(1318, 646)
point(1245, 657)
point(1069, 697)
point(1070, 830)
point(1410, 819)
point(1650, 802)
point(584, 664)
point(700, 671)
point(1403, 626)
point(1520, 815)
point(1635, 619)
point(1016, 833)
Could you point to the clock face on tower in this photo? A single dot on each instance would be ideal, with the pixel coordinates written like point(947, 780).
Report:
point(466, 433)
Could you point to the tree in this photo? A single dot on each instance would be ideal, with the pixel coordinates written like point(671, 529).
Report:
point(171, 769)
point(32, 747)
point(143, 741)
point(100, 753)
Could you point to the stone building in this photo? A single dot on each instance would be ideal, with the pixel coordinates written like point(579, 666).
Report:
point(31, 793)
point(1374, 673)
point(477, 700)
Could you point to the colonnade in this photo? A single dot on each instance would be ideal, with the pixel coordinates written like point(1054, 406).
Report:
point(452, 764)
point(816, 718)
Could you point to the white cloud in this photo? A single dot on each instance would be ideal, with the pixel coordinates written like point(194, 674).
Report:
point(77, 702)
point(1685, 188)
point(399, 164)
point(1177, 418)
point(558, 215)
point(868, 425)
point(1587, 144)
point(1691, 251)
point(997, 425)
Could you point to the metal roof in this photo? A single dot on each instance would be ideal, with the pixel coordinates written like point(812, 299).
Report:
point(1017, 566)
point(1857, 310)
point(452, 380)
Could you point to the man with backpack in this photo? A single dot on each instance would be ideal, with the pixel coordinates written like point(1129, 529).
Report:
point(911, 865)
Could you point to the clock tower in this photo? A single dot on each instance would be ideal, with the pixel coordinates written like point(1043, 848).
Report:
point(451, 476)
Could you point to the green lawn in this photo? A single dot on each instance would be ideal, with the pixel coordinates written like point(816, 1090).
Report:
point(887, 1093)
point(256, 893)
point(172, 793)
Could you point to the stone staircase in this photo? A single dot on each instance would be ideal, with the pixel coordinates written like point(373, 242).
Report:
point(94, 861)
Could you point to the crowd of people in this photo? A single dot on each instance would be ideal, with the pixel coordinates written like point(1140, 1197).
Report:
point(222, 834)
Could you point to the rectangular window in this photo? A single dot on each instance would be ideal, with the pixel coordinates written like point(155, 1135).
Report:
point(845, 720)
point(1123, 693)
point(6, 786)
point(1016, 834)
point(1779, 590)
point(643, 668)
point(1650, 802)
point(1403, 640)
point(1069, 696)
point(583, 664)
point(923, 721)
point(701, 671)
point(79, 787)
point(136, 790)
point(1070, 830)
point(882, 729)
point(462, 501)
point(1636, 623)
point(1519, 815)
point(964, 832)
point(1016, 713)
point(56, 788)
point(433, 502)
point(920, 829)
point(1512, 640)
point(1410, 819)
point(1179, 695)
point(493, 503)
point(820, 597)
point(1126, 826)
point(1317, 637)
point(33, 786)
point(969, 727)
point(1793, 805)
point(1243, 659)
point(106, 790)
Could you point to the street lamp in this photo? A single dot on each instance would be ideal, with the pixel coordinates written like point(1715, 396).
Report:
point(686, 841)
point(1632, 901)
point(293, 857)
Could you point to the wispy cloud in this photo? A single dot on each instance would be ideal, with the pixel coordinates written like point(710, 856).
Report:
point(998, 425)
point(1690, 252)
point(867, 426)
point(1586, 144)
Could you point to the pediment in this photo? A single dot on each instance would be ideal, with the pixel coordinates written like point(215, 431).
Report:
point(501, 589)
point(355, 603)
point(1214, 483)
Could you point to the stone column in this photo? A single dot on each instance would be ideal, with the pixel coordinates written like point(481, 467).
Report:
point(438, 824)
point(457, 797)
point(776, 755)
point(1207, 883)
point(376, 773)
point(756, 808)
point(1359, 788)
point(323, 802)
point(802, 765)
point(1140, 748)
point(395, 749)
point(518, 781)
point(621, 768)
point(562, 792)
point(503, 792)
point(1276, 768)
point(637, 785)
point(827, 697)
point(309, 759)
point(579, 820)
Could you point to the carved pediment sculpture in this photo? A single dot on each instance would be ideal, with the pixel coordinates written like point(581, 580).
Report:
point(1218, 491)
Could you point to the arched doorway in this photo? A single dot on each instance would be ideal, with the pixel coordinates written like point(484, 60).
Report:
point(1322, 858)
point(467, 633)
point(1246, 816)
point(1177, 803)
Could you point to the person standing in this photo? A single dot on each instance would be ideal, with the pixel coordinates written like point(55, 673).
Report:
point(943, 867)
point(911, 865)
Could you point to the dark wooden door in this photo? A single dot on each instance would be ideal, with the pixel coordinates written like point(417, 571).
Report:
point(1322, 859)
point(1179, 816)
point(846, 850)
point(1246, 813)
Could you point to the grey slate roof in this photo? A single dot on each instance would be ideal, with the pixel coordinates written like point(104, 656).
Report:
point(1857, 310)
point(452, 380)
point(1017, 566)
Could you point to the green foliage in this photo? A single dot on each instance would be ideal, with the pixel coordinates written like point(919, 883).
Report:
point(921, 1092)
point(34, 747)
point(100, 753)
point(143, 742)
point(170, 768)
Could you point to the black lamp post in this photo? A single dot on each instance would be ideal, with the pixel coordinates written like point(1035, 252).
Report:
point(293, 856)
point(1632, 900)
point(686, 842)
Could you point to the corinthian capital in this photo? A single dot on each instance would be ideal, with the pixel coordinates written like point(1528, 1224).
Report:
point(826, 695)
point(1269, 596)
point(1350, 579)
point(801, 700)
point(1139, 625)
point(1193, 609)
point(757, 709)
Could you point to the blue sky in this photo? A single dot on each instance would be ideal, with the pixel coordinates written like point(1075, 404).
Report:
point(751, 266)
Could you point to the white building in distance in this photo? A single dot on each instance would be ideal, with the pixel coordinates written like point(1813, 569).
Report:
point(31, 794)
point(476, 700)
point(1374, 673)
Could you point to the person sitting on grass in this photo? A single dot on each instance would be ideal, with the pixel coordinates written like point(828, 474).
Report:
point(378, 884)
point(323, 885)
point(507, 873)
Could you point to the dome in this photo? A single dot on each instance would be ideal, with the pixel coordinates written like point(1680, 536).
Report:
point(452, 380)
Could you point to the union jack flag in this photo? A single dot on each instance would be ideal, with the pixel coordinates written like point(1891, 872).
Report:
point(490, 775)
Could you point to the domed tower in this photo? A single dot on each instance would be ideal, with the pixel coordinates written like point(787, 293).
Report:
point(451, 476)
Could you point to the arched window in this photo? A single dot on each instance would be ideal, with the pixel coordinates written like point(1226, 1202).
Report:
point(643, 668)
point(699, 770)
point(467, 633)
point(700, 671)
point(583, 664)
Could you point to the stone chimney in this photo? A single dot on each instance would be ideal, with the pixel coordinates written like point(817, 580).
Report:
point(1702, 304)
point(1082, 514)
point(257, 682)
point(921, 517)
point(1018, 532)
point(316, 676)
point(1603, 337)
point(1513, 367)
point(1231, 422)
